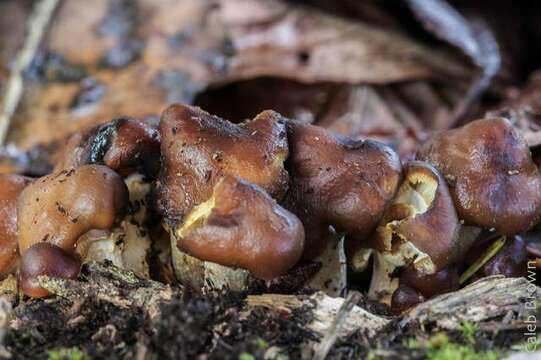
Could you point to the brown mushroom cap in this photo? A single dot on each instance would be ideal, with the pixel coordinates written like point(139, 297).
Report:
point(491, 175)
point(422, 216)
point(61, 207)
point(339, 182)
point(443, 281)
point(46, 259)
point(242, 226)
point(510, 261)
point(198, 149)
point(405, 298)
point(10, 187)
point(125, 145)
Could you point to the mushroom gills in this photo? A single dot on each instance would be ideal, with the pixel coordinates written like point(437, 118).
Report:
point(195, 218)
point(128, 244)
point(415, 197)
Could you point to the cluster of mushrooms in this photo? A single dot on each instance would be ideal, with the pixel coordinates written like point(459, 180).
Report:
point(238, 202)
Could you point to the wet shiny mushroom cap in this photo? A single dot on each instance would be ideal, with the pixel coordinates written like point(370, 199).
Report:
point(125, 145)
point(10, 187)
point(61, 207)
point(198, 149)
point(340, 182)
point(421, 222)
point(404, 298)
point(510, 261)
point(46, 259)
point(241, 226)
point(491, 175)
point(443, 281)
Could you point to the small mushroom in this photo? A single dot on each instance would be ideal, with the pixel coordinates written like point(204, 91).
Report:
point(441, 282)
point(46, 259)
point(125, 145)
point(491, 175)
point(340, 182)
point(241, 226)
point(404, 298)
point(414, 287)
point(198, 149)
point(420, 228)
point(61, 207)
point(11, 186)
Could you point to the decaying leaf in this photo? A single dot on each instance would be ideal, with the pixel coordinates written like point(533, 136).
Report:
point(524, 111)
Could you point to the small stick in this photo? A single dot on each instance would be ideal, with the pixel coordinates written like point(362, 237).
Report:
point(38, 22)
point(489, 254)
point(328, 341)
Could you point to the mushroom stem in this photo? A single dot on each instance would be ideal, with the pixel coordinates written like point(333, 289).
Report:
point(489, 254)
point(204, 276)
point(382, 285)
point(331, 278)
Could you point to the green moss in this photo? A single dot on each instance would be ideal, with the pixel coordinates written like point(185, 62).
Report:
point(468, 330)
point(67, 354)
point(439, 347)
point(246, 356)
point(261, 343)
point(526, 346)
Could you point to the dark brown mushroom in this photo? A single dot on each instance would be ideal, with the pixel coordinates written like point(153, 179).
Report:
point(491, 175)
point(510, 261)
point(125, 145)
point(11, 186)
point(198, 149)
point(340, 182)
point(404, 298)
point(46, 259)
point(61, 207)
point(241, 226)
point(441, 282)
point(420, 228)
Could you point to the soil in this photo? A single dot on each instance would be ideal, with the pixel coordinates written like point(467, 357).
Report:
point(213, 326)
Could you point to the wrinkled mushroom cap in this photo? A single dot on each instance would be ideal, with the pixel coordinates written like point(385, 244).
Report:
point(10, 187)
point(491, 175)
point(339, 182)
point(421, 221)
point(198, 149)
point(125, 145)
point(46, 259)
point(61, 207)
point(242, 226)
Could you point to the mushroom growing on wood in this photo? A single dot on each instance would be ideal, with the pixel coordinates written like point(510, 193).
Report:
point(241, 226)
point(491, 175)
point(60, 208)
point(340, 182)
point(420, 228)
point(46, 259)
point(11, 186)
point(198, 149)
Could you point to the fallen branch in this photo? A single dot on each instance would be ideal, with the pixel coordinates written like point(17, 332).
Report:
point(484, 300)
point(111, 284)
point(37, 24)
point(324, 311)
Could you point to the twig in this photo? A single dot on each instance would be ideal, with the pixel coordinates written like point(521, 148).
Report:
point(37, 24)
point(328, 341)
point(489, 254)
